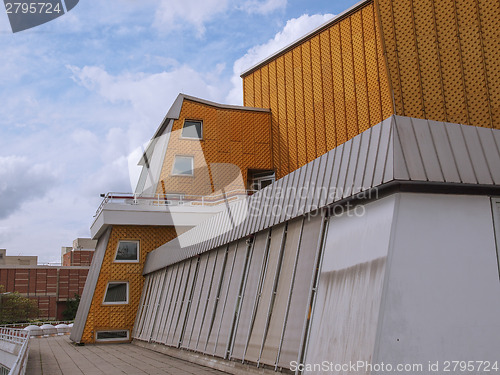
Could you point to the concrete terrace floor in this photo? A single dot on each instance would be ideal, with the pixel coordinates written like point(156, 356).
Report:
point(56, 355)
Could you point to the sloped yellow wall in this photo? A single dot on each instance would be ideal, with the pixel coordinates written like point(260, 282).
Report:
point(323, 91)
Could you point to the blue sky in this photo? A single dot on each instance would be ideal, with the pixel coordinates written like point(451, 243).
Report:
point(81, 93)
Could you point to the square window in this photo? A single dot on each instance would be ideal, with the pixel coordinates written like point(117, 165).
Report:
point(127, 251)
point(183, 166)
point(112, 335)
point(192, 129)
point(116, 293)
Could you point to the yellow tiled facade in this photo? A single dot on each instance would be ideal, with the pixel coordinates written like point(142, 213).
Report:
point(232, 136)
point(442, 58)
point(109, 317)
point(323, 91)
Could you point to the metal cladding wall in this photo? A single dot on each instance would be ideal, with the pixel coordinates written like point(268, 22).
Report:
point(442, 58)
point(108, 317)
point(239, 301)
point(325, 90)
point(232, 136)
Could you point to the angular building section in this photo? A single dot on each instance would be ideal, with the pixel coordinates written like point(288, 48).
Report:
point(203, 157)
point(381, 129)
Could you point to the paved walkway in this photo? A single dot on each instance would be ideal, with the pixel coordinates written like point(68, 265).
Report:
point(56, 355)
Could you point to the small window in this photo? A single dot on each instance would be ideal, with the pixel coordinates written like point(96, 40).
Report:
point(112, 335)
point(117, 293)
point(127, 251)
point(183, 166)
point(192, 129)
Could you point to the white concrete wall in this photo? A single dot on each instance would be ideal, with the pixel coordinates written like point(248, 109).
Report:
point(441, 299)
point(346, 311)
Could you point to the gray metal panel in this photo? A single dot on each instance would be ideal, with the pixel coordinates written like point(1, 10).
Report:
point(212, 299)
point(326, 181)
point(182, 286)
point(334, 192)
point(363, 153)
point(383, 150)
point(427, 150)
point(371, 157)
point(255, 271)
point(351, 167)
point(89, 288)
point(232, 301)
point(156, 336)
point(444, 152)
point(221, 299)
point(320, 180)
point(292, 181)
point(139, 318)
point(195, 301)
point(167, 332)
point(186, 303)
point(346, 155)
point(398, 148)
point(153, 316)
point(266, 297)
point(477, 156)
point(205, 289)
point(285, 191)
point(491, 151)
point(312, 183)
point(460, 153)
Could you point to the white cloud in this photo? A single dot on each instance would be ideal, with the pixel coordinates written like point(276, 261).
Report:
point(263, 7)
point(185, 14)
point(293, 30)
point(22, 180)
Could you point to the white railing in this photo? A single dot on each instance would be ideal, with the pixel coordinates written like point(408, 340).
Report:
point(20, 338)
point(173, 199)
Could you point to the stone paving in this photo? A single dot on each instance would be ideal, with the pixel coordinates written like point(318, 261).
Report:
point(57, 355)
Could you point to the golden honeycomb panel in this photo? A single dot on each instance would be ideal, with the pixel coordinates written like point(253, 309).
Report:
point(248, 94)
point(473, 64)
point(265, 87)
point(338, 84)
point(360, 74)
point(349, 83)
point(236, 118)
point(123, 316)
point(223, 128)
point(257, 85)
point(282, 116)
point(273, 94)
point(309, 102)
point(319, 110)
point(372, 66)
point(329, 105)
point(300, 115)
point(290, 109)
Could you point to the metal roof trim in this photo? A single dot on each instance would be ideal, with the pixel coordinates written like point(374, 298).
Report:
point(400, 149)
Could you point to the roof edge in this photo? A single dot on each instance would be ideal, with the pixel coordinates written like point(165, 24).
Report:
point(307, 36)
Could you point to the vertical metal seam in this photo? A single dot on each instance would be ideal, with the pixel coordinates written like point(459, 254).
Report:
point(418, 148)
point(313, 102)
point(391, 137)
point(394, 135)
point(476, 130)
point(469, 154)
point(295, 114)
point(453, 153)
point(397, 60)
point(322, 98)
point(435, 149)
point(343, 83)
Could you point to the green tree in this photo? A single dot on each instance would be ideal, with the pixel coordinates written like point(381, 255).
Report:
point(71, 308)
point(15, 308)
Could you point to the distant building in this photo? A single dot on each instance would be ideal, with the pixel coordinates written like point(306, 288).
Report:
point(80, 254)
point(17, 260)
point(50, 286)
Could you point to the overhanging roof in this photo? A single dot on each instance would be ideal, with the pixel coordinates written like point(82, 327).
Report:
point(397, 149)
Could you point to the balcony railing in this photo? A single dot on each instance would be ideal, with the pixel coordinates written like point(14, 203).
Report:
point(173, 199)
point(20, 338)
